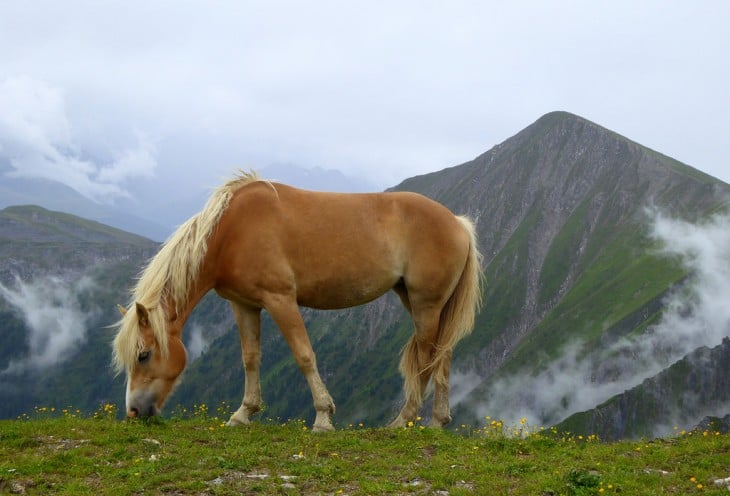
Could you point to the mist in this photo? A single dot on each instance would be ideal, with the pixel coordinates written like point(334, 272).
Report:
point(196, 344)
point(51, 310)
point(696, 314)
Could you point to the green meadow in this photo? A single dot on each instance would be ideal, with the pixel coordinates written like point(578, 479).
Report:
point(61, 451)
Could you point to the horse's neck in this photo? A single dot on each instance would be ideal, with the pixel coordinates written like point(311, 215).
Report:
point(178, 312)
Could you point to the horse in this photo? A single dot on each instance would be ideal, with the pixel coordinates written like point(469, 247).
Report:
point(268, 246)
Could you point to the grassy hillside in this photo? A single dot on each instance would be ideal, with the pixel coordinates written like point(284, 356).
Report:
point(33, 223)
point(60, 452)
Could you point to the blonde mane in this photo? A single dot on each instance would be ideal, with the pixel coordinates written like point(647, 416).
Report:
point(170, 274)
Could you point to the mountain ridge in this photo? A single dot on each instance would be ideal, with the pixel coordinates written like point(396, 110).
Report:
point(562, 221)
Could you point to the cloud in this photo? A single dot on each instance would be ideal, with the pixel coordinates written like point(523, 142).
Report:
point(196, 343)
point(51, 310)
point(36, 139)
point(696, 314)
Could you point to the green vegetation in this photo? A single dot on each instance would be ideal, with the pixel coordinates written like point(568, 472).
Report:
point(193, 453)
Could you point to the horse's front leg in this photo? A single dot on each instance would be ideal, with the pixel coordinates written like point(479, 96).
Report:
point(249, 328)
point(285, 312)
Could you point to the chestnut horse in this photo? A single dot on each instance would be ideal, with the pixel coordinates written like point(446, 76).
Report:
point(264, 245)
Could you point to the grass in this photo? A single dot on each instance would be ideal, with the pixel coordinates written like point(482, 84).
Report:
point(61, 452)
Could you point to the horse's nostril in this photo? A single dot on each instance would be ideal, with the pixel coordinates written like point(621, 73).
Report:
point(133, 412)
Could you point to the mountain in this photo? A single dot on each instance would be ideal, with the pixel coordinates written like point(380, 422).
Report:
point(561, 212)
point(576, 296)
point(151, 214)
point(61, 277)
point(33, 239)
point(679, 396)
point(56, 196)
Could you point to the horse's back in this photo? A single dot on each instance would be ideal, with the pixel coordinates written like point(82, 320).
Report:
point(335, 249)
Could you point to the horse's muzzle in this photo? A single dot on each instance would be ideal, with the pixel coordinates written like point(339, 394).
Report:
point(137, 412)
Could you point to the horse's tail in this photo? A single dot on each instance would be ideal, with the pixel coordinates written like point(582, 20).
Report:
point(459, 313)
point(456, 321)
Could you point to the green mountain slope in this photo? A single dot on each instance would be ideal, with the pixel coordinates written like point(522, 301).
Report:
point(68, 273)
point(662, 402)
point(561, 214)
point(562, 219)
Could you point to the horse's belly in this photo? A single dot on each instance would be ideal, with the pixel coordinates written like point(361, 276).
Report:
point(342, 293)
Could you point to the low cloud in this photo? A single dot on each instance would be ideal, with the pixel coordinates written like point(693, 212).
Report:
point(697, 314)
point(196, 343)
point(51, 310)
point(37, 140)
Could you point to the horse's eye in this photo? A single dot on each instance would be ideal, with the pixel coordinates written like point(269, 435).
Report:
point(144, 356)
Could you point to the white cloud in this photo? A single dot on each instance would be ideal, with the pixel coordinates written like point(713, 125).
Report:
point(36, 138)
point(197, 344)
point(389, 90)
point(51, 310)
point(697, 314)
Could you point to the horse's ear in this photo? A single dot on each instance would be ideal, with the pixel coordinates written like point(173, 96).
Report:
point(121, 309)
point(142, 315)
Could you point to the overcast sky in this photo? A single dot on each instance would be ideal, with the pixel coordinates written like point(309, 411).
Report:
point(114, 98)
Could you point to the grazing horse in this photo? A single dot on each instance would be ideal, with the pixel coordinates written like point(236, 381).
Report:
point(264, 245)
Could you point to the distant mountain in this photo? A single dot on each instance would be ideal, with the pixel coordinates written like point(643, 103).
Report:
point(57, 196)
point(574, 279)
point(61, 277)
point(34, 240)
point(692, 388)
point(153, 215)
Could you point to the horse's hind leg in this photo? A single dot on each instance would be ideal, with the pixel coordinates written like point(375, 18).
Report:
point(285, 312)
point(249, 328)
point(441, 414)
point(416, 362)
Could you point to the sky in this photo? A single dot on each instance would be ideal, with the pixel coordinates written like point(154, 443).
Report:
point(143, 100)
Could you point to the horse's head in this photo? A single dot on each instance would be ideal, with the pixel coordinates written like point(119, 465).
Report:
point(154, 358)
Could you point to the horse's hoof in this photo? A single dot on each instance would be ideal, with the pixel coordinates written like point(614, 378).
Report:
point(397, 423)
point(323, 428)
point(232, 422)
